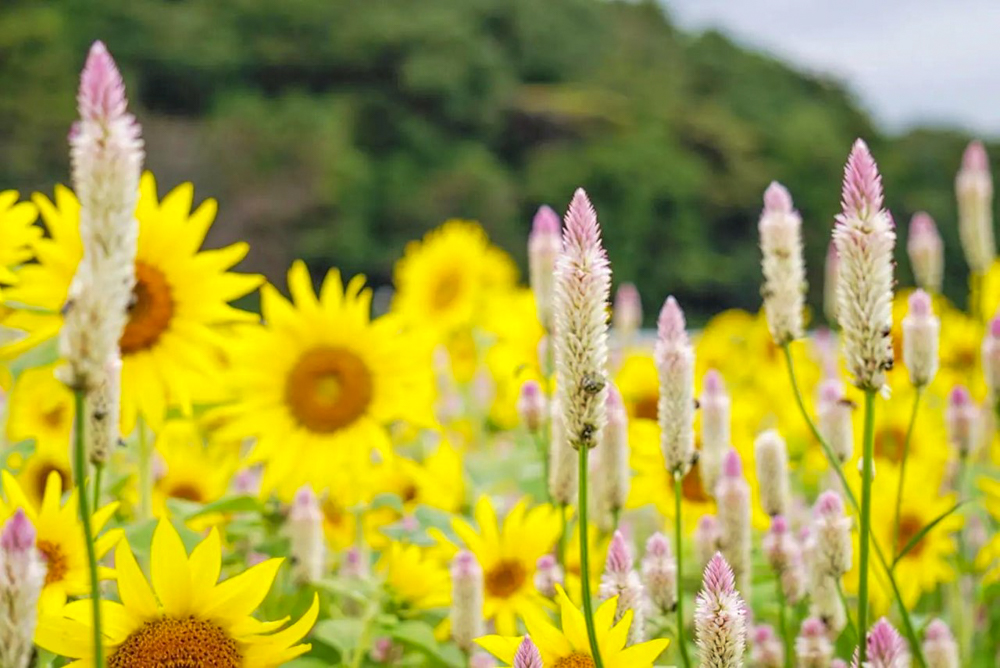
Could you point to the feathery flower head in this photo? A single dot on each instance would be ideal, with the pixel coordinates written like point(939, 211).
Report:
point(354, 565)
point(531, 405)
point(548, 574)
point(621, 582)
point(104, 412)
point(706, 538)
point(675, 366)
point(865, 237)
point(715, 427)
point(720, 617)
point(962, 418)
point(784, 554)
point(766, 648)
point(834, 422)
point(22, 576)
point(926, 251)
point(886, 648)
point(991, 357)
point(619, 557)
point(611, 488)
point(771, 457)
point(831, 274)
point(813, 648)
point(305, 531)
point(940, 648)
point(974, 191)
point(627, 313)
point(582, 288)
point(780, 229)
point(18, 534)
point(466, 599)
point(659, 573)
point(527, 655)
point(921, 333)
point(544, 244)
point(563, 469)
point(830, 545)
point(732, 494)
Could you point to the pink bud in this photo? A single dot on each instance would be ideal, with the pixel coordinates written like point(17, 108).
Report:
point(777, 199)
point(937, 630)
point(718, 577)
point(671, 326)
point(465, 566)
point(732, 465)
point(581, 229)
point(527, 655)
point(628, 308)
point(829, 504)
point(813, 627)
point(619, 558)
point(713, 384)
point(920, 304)
point(546, 223)
point(531, 405)
point(862, 182)
point(305, 503)
point(974, 158)
point(995, 327)
point(658, 545)
point(548, 574)
point(961, 416)
point(18, 533)
point(885, 645)
point(102, 92)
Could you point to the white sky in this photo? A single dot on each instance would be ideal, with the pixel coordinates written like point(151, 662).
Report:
point(908, 61)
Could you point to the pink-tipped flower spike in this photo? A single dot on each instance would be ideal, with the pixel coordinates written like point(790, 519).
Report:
point(527, 655)
point(991, 358)
point(732, 494)
point(563, 469)
point(484, 660)
point(354, 565)
point(784, 554)
point(611, 487)
point(921, 333)
point(544, 244)
point(865, 237)
point(103, 411)
point(466, 600)
point(106, 155)
point(675, 366)
point(659, 574)
point(627, 313)
point(831, 274)
point(720, 618)
point(940, 648)
point(22, 576)
point(784, 270)
point(771, 457)
point(962, 417)
point(886, 648)
point(582, 287)
point(531, 405)
point(706, 539)
point(974, 191)
point(830, 539)
point(716, 436)
point(813, 648)
point(620, 580)
point(766, 649)
point(824, 600)
point(548, 574)
point(307, 544)
point(926, 251)
point(834, 421)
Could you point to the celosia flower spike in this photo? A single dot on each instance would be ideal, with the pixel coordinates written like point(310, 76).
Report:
point(715, 428)
point(466, 600)
point(780, 229)
point(527, 655)
point(926, 251)
point(544, 244)
point(22, 576)
point(921, 332)
point(974, 191)
point(675, 366)
point(720, 618)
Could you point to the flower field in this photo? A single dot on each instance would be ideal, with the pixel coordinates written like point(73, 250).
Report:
point(487, 469)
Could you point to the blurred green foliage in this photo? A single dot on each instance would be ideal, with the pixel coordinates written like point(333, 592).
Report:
point(339, 130)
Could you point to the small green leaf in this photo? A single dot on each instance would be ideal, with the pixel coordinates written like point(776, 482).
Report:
point(387, 500)
point(917, 537)
point(230, 504)
point(420, 636)
point(341, 634)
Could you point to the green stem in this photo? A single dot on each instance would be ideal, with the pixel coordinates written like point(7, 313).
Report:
point(145, 473)
point(911, 633)
point(868, 454)
point(563, 536)
point(679, 549)
point(98, 471)
point(80, 466)
point(782, 624)
point(847, 611)
point(543, 453)
point(588, 612)
point(902, 468)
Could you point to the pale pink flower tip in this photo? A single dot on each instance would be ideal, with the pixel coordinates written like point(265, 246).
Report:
point(862, 183)
point(937, 630)
point(614, 400)
point(627, 294)
point(995, 327)
point(546, 222)
point(974, 159)
point(713, 383)
point(305, 498)
point(545, 562)
point(671, 325)
point(829, 504)
point(732, 466)
point(884, 643)
point(719, 578)
point(102, 91)
point(464, 565)
point(18, 534)
point(831, 390)
point(777, 199)
point(619, 559)
point(959, 397)
point(527, 655)
point(658, 545)
point(581, 230)
point(920, 304)
point(813, 627)
point(762, 633)
point(922, 225)
point(779, 524)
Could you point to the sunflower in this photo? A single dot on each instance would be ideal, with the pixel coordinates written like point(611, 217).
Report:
point(928, 439)
point(569, 647)
point(194, 471)
point(415, 578)
point(639, 384)
point(598, 551)
point(928, 563)
point(60, 539)
point(512, 322)
point(17, 234)
point(320, 381)
point(170, 347)
point(444, 279)
point(187, 617)
point(508, 554)
point(988, 559)
point(438, 481)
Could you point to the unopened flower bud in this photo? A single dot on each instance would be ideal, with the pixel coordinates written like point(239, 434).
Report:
point(305, 532)
point(733, 497)
point(813, 648)
point(766, 648)
point(921, 331)
point(926, 252)
point(974, 190)
point(715, 429)
point(962, 417)
point(940, 648)
point(627, 314)
point(784, 270)
point(466, 600)
point(659, 574)
point(544, 244)
point(772, 469)
point(531, 405)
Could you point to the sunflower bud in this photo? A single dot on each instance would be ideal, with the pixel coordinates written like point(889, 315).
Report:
point(926, 253)
point(921, 330)
point(466, 600)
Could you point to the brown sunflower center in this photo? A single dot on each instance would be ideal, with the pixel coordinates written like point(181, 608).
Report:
point(889, 443)
point(693, 488)
point(186, 491)
point(177, 643)
point(150, 311)
point(446, 290)
point(41, 478)
point(909, 526)
point(575, 660)
point(505, 578)
point(328, 389)
point(55, 416)
point(647, 407)
point(55, 561)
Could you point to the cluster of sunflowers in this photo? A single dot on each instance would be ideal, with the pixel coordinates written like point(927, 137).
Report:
point(412, 488)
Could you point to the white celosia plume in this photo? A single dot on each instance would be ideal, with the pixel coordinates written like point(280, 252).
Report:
point(563, 470)
point(716, 428)
point(611, 486)
point(921, 332)
point(784, 554)
point(813, 648)
point(305, 532)
point(834, 422)
point(720, 618)
point(466, 600)
point(620, 580)
point(544, 244)
point(865, 237)
point(766, 648)
point(784, 270)
point(939, 646)
point(732, 494)
point(103, 413)
point(926, 251)
point(675, 366)
point(659, 574)
point(22, 576)
point(974, 190)
point(771, 457)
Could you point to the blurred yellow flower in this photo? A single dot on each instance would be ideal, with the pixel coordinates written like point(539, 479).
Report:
point(193, 470)
point(17, 234)
point(416, 579)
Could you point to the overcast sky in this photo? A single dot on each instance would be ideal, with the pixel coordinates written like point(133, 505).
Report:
point(908, 61)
